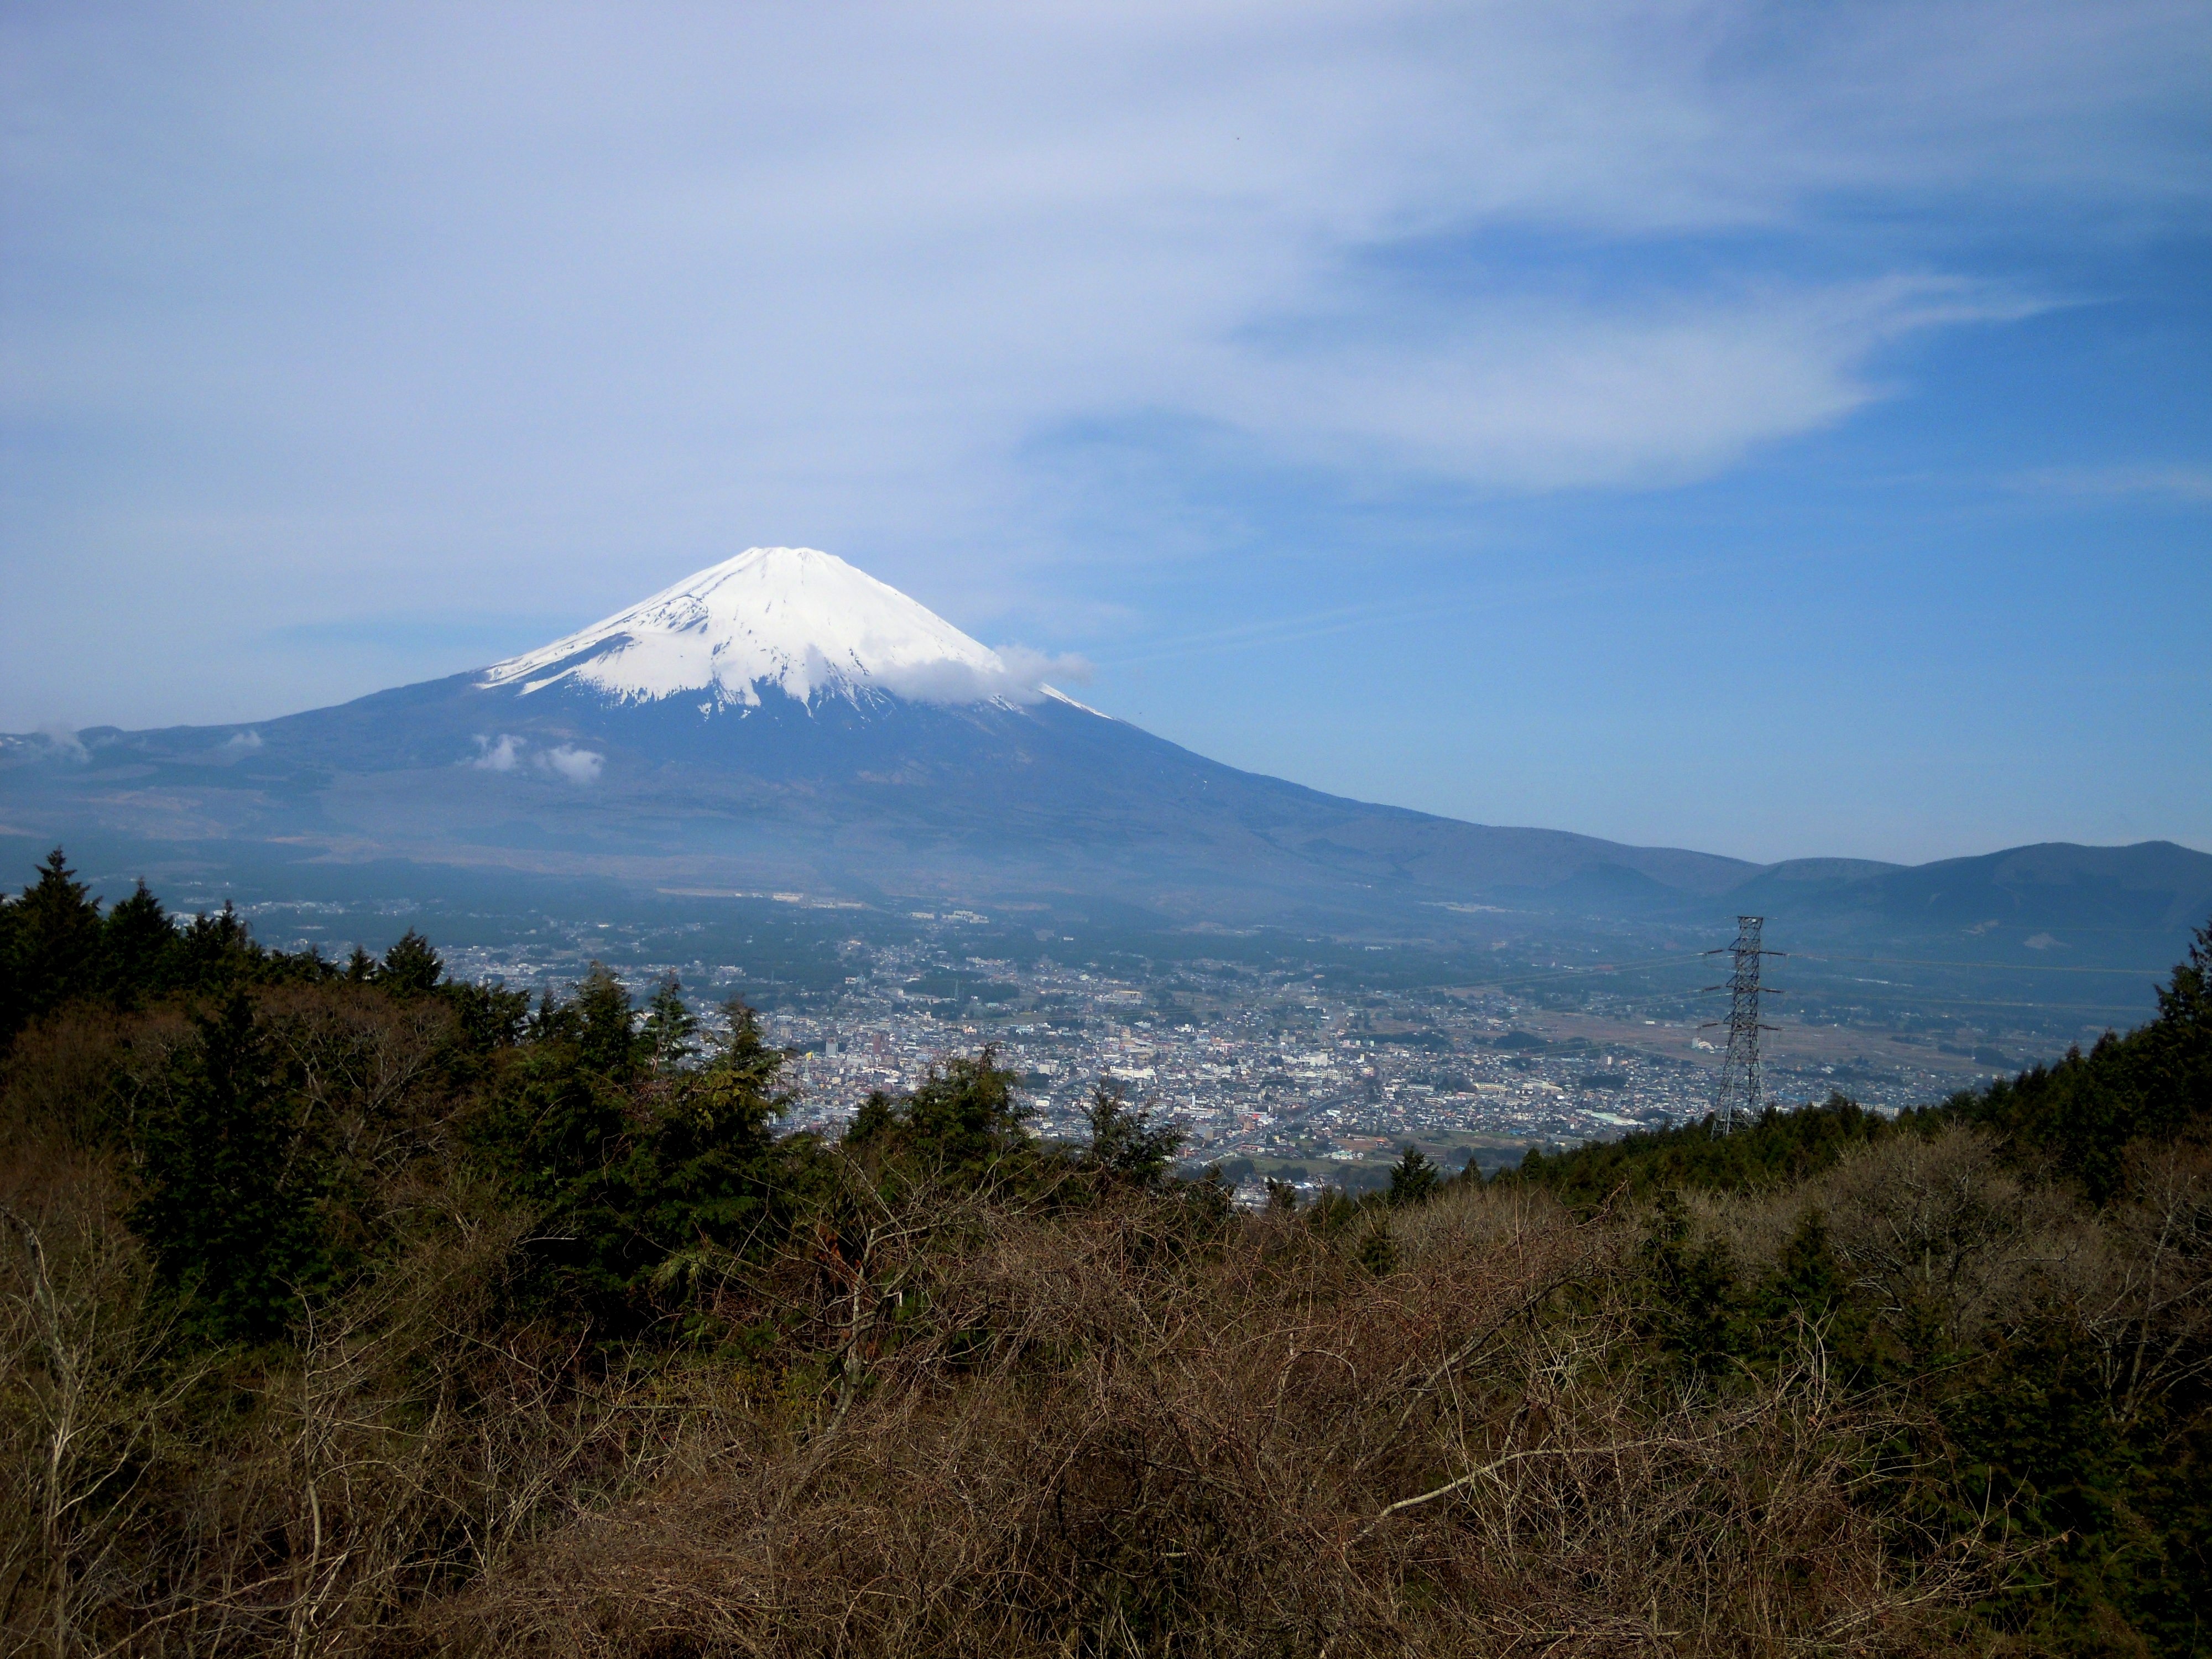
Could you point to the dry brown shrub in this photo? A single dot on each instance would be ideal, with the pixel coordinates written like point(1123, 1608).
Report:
point(88, 1393)
point(57, 1077)
point(1103, 1440)
point(1043, 1425)
point(1939, 1225)
point(2134, 1284)
point(154, 1498)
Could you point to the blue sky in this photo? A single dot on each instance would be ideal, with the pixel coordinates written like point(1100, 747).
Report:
point(1775, 430)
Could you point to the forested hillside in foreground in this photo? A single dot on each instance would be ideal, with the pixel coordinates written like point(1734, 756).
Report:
point(345, 1309)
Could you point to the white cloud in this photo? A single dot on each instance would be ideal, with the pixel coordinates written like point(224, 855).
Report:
point(501, 302)
point(1535, 394)
point(508, 752)
point(65, 743)
point(1031, 669)
point(577, 765)
point(1020, 677)
point(498, 757)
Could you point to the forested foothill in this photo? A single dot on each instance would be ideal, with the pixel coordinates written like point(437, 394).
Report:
point(349, 1310)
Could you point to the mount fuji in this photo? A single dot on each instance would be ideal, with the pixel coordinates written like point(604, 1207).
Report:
point(777, 619)
point(782, 720)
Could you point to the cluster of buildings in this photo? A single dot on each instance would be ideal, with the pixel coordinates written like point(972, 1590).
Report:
point(1260, 1069)
point(1256, 1071)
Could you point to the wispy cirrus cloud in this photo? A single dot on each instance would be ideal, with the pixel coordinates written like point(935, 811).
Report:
point(1522, 391)
point(2173, 482)
point(304, 312)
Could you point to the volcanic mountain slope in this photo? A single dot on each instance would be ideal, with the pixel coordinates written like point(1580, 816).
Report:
point(783, 717)
point(784, 720)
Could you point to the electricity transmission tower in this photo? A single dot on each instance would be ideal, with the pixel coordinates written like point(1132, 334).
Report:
point(1741, 1086)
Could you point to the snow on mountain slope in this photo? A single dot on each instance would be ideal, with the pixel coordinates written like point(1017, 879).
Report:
point(803, 622)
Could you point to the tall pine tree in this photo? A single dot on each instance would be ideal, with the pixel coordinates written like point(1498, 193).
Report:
point(53, 946)
point(226, 1205)
point(138, 949)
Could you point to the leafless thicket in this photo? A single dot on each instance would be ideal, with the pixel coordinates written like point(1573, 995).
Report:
point(1073, 1435)
point(946, 1422)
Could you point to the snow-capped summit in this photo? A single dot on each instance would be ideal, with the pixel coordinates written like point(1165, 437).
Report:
point(803, 622)
point(783, 722)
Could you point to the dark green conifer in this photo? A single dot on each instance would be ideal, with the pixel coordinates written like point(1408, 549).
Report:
point(56, 945)
point(12, 988)
point(1378, 1252)
point(671, 1029)
point(554, 1126)
point(217, 950)
point(1125, 1143)
point(490, 1015)
point(1413, 1179)
point(551, 1021)
point(410, 968)
point(962, 1118)
point(226, 1209)
point(2084, 1114)
point(138, 949)
point(606, 1026)
point(703, 1175)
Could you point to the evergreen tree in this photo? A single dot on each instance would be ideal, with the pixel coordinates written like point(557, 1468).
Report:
point(1776, 1146)
point(56, 945)
point(703, 1175)
point(1694, 1302)
point(217, 951)
point(554, 1126)
point(624, 1184)
point(962, 1120)
point(1125, 1143)
point(551, 1021)
point(606, 1026)
point(670, 1030)
point(2177, 1056)
point(227, 1209)
point(490, 1015)
point(138, 949)
point(410, 968)
point(2083, 1114)
point(1413, 1179)
point(12, 989)
point(1378, 1251)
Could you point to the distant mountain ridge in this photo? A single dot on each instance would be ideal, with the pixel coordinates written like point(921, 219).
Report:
point(2154, 885)
point(782, 719)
